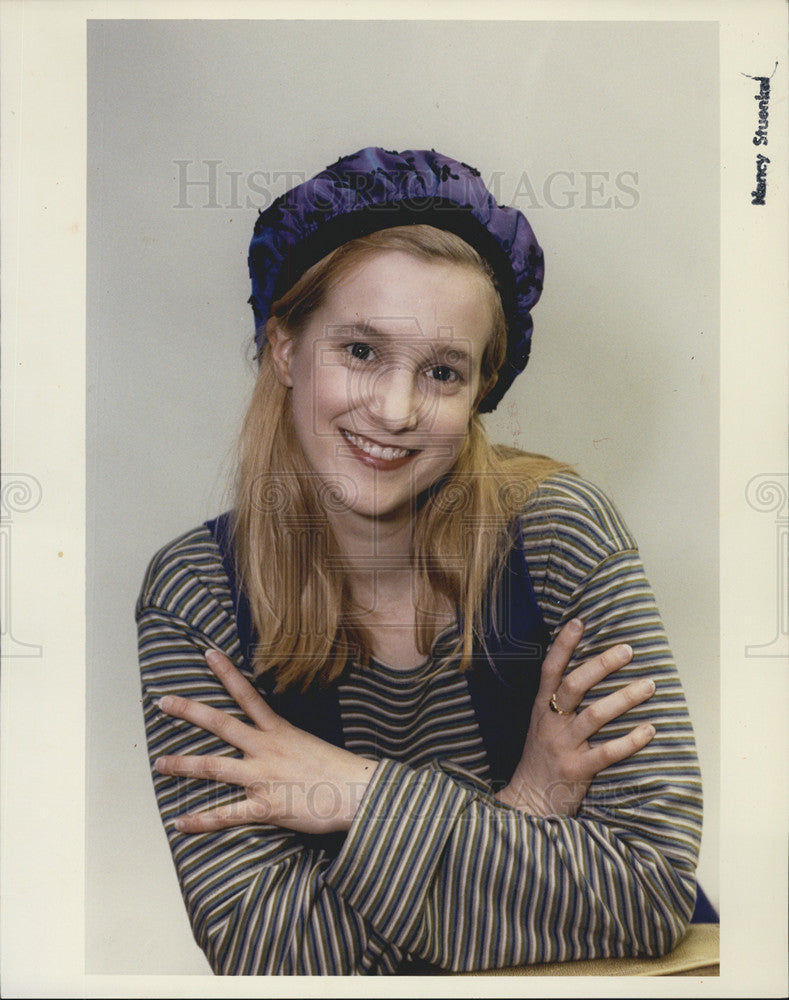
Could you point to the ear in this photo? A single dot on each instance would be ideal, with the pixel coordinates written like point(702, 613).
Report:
point(281, 347)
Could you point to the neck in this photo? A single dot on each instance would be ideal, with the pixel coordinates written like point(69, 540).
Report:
point(365, 542)
point(379, 572)
point(378, 569)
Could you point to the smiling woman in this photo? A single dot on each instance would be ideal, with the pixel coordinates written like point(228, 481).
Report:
point(410, 703)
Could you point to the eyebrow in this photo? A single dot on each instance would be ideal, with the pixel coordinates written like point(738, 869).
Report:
point(445, 349)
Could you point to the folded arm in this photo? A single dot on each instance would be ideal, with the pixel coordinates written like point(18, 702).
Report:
point(433, 865)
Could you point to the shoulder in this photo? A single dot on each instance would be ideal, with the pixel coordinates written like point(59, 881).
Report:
point(183, 572)
point(572, 536)
point(583, 561)
point(567, 509)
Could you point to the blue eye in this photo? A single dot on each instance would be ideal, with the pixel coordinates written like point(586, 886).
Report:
point(443, 373)
point(360, 351)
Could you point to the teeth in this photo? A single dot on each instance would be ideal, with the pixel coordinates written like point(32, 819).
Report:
point(375, 450)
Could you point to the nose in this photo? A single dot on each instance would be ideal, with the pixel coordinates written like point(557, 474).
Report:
point(395, 399)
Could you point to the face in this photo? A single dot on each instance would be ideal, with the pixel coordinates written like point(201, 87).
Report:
point(383, 379)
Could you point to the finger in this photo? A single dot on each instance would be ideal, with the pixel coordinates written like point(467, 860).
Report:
point(229, 770)
point(558, 656)
point(222, 817)
point(603, 710)
point(240, 690)
point(578, 682)
point(603, 755)
point(213, 720)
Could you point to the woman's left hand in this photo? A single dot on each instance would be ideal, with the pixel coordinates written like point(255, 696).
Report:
point(292, 778)
point(558, 761)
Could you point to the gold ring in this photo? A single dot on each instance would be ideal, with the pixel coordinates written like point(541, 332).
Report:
point(555, 707)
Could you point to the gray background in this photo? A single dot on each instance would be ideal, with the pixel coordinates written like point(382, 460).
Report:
point(623, 380)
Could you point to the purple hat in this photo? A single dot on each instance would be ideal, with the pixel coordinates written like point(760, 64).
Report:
point(377, 189)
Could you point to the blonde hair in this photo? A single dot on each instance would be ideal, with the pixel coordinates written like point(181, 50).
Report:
point(288, 561)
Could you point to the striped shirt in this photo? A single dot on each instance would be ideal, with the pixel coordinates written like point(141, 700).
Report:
point(434, 868)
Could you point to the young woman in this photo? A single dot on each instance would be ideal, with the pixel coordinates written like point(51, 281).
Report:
point(410, 703)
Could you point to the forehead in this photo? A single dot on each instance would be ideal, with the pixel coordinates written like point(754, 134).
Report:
point(393, 294)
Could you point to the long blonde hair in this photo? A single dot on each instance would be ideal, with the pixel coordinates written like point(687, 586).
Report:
point(288, 561)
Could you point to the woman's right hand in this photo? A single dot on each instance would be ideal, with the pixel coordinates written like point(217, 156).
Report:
point(558, 763)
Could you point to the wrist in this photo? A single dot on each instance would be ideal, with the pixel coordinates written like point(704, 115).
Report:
point(359, 773)
point(520, 795)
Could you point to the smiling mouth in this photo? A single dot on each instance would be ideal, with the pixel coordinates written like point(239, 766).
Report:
point(375, 450)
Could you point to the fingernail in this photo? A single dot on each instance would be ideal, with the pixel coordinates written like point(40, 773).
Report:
point(163, 703)
point(625, 652)
point(213, 657)
point(576, 624)
point(648, 686)
point(651, 731)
